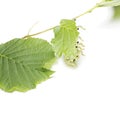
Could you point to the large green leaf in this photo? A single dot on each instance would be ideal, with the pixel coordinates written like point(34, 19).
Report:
point(22, 62)
point(64, 41)
point(107, 3)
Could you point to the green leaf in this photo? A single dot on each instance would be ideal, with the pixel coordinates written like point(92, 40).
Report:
point(21, 63)
point(110, 3)
point(64, 41)
point(116, 12)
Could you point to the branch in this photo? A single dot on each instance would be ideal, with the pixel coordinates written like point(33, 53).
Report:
point(40, 32)
point(86, 12)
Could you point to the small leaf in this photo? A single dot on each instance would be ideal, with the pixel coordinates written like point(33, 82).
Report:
point(110, 3)
point(64, 42)
point(21, 62)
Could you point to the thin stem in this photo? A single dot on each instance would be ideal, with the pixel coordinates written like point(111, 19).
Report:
point(40, 32)
point(32, 27)
point(86, 12)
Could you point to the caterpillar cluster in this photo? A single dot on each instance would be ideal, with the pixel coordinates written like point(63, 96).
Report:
point(79, 46)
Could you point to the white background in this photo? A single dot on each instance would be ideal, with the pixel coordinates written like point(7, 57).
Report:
point(92, 87)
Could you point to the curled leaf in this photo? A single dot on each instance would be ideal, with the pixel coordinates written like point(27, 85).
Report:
point(65, 41)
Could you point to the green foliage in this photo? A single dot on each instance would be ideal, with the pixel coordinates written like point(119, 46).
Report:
point(107, 3)
point(116, 12)
point(22, 63)
point(64, 41)
point(26, 62)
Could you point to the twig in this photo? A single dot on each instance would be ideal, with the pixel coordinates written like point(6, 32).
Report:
point(86, 12)
point(40, 32)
